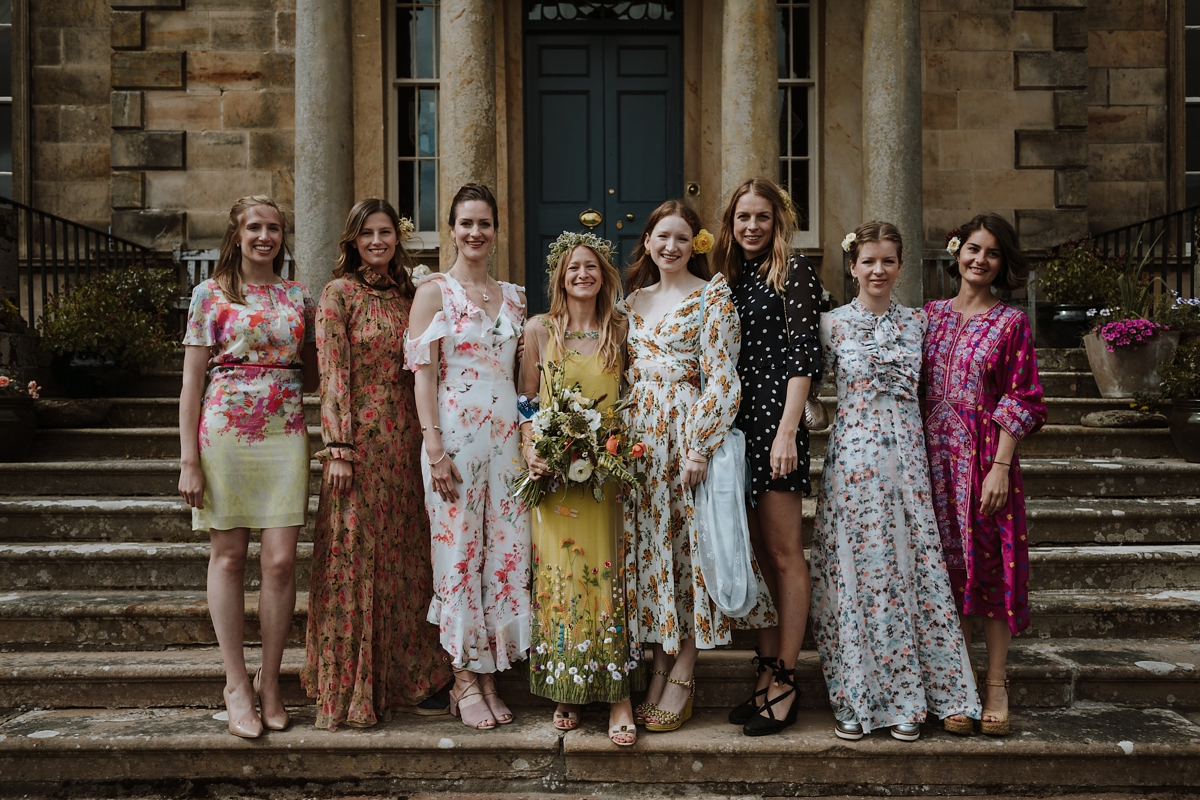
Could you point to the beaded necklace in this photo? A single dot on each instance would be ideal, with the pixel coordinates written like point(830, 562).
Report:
point(581, 334)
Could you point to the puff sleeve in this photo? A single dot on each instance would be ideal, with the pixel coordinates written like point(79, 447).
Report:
point(720, 344)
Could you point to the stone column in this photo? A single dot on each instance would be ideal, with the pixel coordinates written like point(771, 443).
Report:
point(891, 129)
point(749, 93)
point(467, 128)
point(324, 136)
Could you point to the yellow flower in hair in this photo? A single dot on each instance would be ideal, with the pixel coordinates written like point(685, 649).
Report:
point(703, 242)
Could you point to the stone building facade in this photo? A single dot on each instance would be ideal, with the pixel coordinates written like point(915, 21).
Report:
point(1067, 116)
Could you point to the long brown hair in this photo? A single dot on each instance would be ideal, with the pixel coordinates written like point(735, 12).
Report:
point(228, 273)
point(728, 257)
point(1014, 266)
point(642, 269)
point(609, 321)
point(350, 263)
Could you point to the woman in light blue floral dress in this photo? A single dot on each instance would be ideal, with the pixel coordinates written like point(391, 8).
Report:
point(883, 614)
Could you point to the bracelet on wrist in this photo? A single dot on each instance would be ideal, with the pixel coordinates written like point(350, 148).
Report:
point(435, 427)
point(695, 460)
point(440, 460)
point(1002, 463)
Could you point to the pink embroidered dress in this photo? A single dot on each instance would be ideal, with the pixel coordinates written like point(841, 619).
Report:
point(253, 440)
point(980, 377)
point(481, 543)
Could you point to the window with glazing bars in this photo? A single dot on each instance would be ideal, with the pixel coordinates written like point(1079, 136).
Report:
point(1191, 88)
point(798, 114)
point(414, 112)
point(6, 101)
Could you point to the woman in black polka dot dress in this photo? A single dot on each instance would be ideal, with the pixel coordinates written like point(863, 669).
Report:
point(777, 295)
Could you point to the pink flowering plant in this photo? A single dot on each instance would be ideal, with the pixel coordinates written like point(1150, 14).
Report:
point(11, 387)
point(1139, 313)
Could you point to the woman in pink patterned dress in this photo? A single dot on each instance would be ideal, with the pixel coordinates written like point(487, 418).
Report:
point(370, 649)
point(462, 344)
point(982, 397)
point(244, 445)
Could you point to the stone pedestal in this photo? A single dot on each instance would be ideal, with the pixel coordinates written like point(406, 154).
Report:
point(891, 129)
point(467, 128)
point(324, 136)
point(749, 94)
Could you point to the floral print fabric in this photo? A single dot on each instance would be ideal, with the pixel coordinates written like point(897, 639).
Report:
point(369, 646)
point(253, 440)
point(481, 541)
point(673, 415)
point(980, 377)
point(883, 616)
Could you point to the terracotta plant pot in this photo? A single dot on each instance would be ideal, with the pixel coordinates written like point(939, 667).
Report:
point(17, 427)
point(1128, 371)
point(1185, 428)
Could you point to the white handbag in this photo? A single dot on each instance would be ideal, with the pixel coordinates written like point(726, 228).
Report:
point(722, 531)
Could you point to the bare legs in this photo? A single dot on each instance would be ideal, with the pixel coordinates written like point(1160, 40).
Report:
point(997, 638)
point(681, 666)
point(775, 534)
point(227, 606)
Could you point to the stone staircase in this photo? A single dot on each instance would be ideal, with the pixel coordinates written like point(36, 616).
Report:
point(111, 678)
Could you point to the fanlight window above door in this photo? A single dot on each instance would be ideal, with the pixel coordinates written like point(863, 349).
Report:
point(619, 10)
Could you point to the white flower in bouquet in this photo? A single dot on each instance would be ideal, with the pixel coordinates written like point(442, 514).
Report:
point(541, 421)
point(580, 470)
point(593, 418)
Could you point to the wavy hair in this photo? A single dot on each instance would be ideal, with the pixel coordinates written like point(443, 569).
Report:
point(610, 320)
point(642, 269)
point(1014, 266)
point(228, 272)
point(350, 263)
point(728, 257)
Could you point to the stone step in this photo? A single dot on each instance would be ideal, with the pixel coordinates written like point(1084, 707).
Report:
point(156, 412)
point(1071, 520)
point(1063, 359)
point(1139, 673)
point(154, 619)
point(158, 565)
point(1100, 747)
point(1053, 441)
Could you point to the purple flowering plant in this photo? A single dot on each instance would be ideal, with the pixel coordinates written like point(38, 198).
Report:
point(1139, 313)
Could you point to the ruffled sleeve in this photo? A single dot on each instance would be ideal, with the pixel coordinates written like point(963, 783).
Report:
point(417, 351)
point(1021, 410)
point(710, 418)
point(802, 305)
point(202, 317)
point(333, 357)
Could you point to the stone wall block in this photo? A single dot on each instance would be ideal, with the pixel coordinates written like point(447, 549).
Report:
point(245, 69)
point(1070, 110)
point(127, 109)
point(285, 30)
point(87, 46)
point(992, 149)
point(939, 110)
point(1118, 15)
point(147, 70)
point(155, 4)
point(1140, 161)
point(242, 31)
point(1097, 88)
point(992, 110)
point(1039, 149)
point(129, 190)
point(157, 229)
point(217, 150)
point(1071, 188)
point(1048, 5)
point(977, 6)
point(1137, 87)
point(46, 47)
point(272, 149)
point(177, 30)
point(187, 111)
point(1010, 188)
point(149, 150)
point(1043, 228)
point(942, 188)
point(254, 110)
point(127, 30)
point(1022, 30)
point(931, 149)
point(953, 69)
point(939, 30)
point(1070, 30)
point(1115, 124)
point(1127, 48)
point(85, 124)
point(69, 86)
point(1120, 201)
point(1051, 70)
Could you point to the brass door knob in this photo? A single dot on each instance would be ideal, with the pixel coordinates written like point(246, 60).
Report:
point(591, 218)
point(629, 217)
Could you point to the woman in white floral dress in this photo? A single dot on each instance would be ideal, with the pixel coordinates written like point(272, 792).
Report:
point(883, 615)
point(462, 345)
point(669, 345)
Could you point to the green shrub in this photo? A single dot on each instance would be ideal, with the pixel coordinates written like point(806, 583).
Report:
point(1181, 378)
point(1079, 276)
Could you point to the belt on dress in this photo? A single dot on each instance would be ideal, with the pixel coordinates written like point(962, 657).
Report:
point(256, 366)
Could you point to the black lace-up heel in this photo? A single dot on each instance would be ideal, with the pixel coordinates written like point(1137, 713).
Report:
point(770, 724)
point(745, 711)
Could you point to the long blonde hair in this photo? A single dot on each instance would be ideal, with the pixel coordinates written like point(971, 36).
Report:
point(228, 273)
point(728, 258)
point(350, 263)
point(609, 321)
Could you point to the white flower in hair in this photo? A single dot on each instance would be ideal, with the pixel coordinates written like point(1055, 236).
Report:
point(850, 239)
point(953, 245)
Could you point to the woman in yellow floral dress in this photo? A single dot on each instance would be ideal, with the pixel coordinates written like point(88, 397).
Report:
point(370, 649)
point(669, 345)
point(581, 649)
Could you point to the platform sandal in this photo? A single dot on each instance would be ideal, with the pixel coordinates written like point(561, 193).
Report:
point(770, 724)
point(669, 720)
point(959, 724)
point(646, 708)
point(998, 727)
point(745, 711)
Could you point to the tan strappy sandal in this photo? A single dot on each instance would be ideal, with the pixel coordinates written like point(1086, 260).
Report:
point(1000, 726)
point(646, 708)
point(669, 720)
point(470, 704)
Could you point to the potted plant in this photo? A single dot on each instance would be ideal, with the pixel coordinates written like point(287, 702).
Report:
point(1075, 280)
point(17, 421)
point(1181, 380)
point(103, 332)
point(1130, 343)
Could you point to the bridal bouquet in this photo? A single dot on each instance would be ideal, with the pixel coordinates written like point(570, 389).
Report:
point(579, 444)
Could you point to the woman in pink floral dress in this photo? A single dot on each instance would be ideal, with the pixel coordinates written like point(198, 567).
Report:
point(462, 343)
point(370, 650)
point(982, 397)
point(244, 445)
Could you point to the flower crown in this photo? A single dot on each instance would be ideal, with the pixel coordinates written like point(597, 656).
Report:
point(569, 240)
point(953, 242)
point(405, 228)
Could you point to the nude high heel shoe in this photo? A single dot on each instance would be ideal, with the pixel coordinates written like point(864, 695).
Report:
point(270, 723)
point(244, 731)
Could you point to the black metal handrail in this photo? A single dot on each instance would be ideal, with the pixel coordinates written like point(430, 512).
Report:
point(1170, 241)
point(51, 251)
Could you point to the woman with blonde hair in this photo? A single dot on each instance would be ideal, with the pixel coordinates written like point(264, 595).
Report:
point(370, 650)
point(581, 650)
point(462, 344)
point(244, 444)
point(778, 298)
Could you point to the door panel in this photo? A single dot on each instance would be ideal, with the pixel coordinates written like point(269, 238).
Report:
point(604, 130)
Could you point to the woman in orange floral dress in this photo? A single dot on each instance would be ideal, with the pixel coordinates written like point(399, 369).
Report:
point(370, 650)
